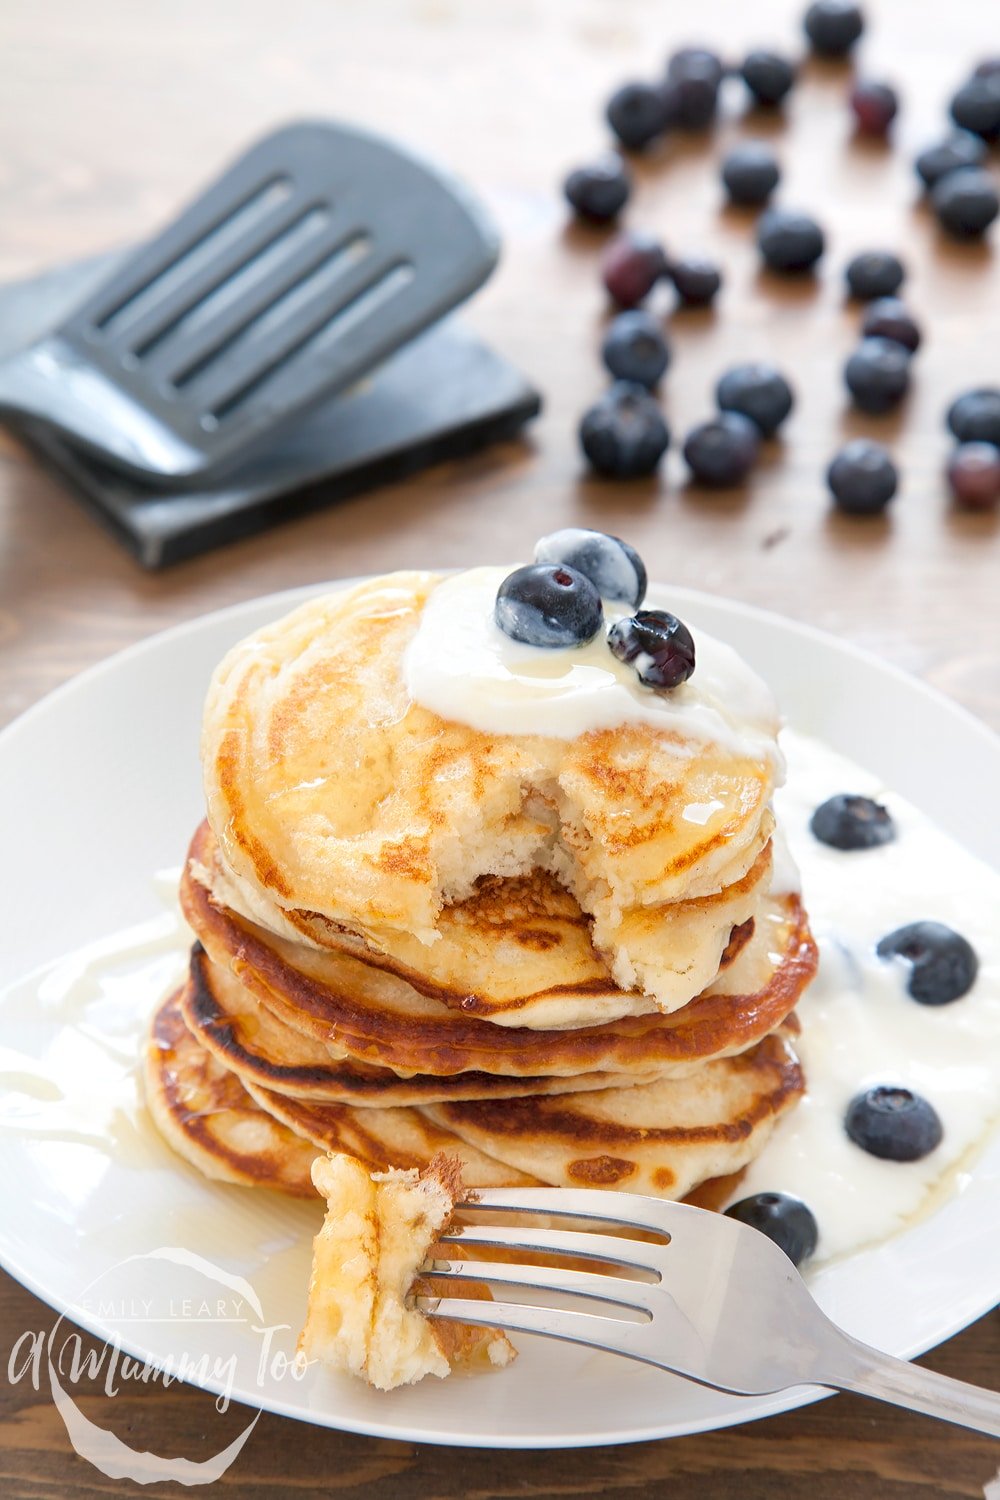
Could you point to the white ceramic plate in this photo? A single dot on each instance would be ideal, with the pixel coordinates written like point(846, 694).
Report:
point(99, 789)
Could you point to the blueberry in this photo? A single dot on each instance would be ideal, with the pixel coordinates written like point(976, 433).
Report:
point(943, 965)
point(632, 265)
point(833, 26)
point(599, 192)
point(700, 62)
point(634, 348)
point(850, 822)
point(878, 374)
point(875, 106)
point(974, 475)
point(768, 76)
point(893, 1123)
point(614, 568)
point(548, 605)
point(988, 68)
point(888, 318)
point(658, 643)
point(966, 202)
point(690, 92)
point(976, 107)
point(750, 173)
point(637, 114)
point(960, 149)
point(862, 478)
point(623, 434)
point(722, 451)
point(784, 1219)
point(696, 280)
point(874, 273)
point(974, 417)
point(789, 241)
point(757, 391)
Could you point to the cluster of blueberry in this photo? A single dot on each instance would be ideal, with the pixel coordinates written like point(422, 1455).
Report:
point(558, 601)
point(887, 1121)
point(625, 434)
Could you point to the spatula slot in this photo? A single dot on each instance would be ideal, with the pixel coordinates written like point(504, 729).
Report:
point(331, 328)
point(228, 229)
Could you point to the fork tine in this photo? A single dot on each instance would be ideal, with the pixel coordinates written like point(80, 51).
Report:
point(634, 1294)
point(630, 1209)
point(617, 1251)
point(515, 1317)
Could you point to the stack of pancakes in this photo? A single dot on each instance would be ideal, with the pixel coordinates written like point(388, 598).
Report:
point(562, 961)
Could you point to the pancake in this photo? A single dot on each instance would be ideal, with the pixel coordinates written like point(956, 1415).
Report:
point(359, 1011)
point(519, 950)
point(260, 1049)
point(203, 1112)
point(660, 1138)
point(378, 1231)
point(336, 798)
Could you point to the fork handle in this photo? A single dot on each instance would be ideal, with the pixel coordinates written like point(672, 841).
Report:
point(871, 1373)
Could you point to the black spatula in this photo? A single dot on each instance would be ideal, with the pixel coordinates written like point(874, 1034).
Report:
point(313, 257)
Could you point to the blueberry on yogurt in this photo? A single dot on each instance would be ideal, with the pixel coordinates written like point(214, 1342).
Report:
point(548, 605)
point(850, 822)
point(658, 645)
point(614, 568)
point(943, 964)
point(893, 1123)
point(784, 1219)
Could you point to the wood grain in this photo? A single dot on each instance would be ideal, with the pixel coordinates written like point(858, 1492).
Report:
point(112, 112)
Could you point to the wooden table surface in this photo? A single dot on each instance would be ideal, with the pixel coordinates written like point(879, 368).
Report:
point(112, 112)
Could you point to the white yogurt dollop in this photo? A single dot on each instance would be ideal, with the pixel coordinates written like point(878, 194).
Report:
point(462, 667)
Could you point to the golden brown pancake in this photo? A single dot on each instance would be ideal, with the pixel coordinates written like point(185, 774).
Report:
point(336, 797)
point(659, 1138)
point(205, 1114)
point(358, 1011)
point(519, 950)
point(263, 1050)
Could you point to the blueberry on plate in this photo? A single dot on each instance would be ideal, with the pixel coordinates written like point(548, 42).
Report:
point(624, 434)
point(722, 451)
point(976, 106)
point(750, 173)
point(875, 106)
point(960, 149)
point(862, 478)
point(696, 280)
point(634, 348)
point(548, 605)
point(974, 475)
point(631, 266)
point(893, 1123)
point(966, 202)
point(784, 1219)
point(848, 821)
point(874, 273)
point(943, 964)
point(789, 241)
point(757, 391)
point(768, 76)
point(974, 417)
point(878, 375)
point(614, 568)
point(833, 26)
point(599, 192)
point(889, 318)
point(660, 646)
point(637, 114)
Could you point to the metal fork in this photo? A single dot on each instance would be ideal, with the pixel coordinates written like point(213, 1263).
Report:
point(720, 1303)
